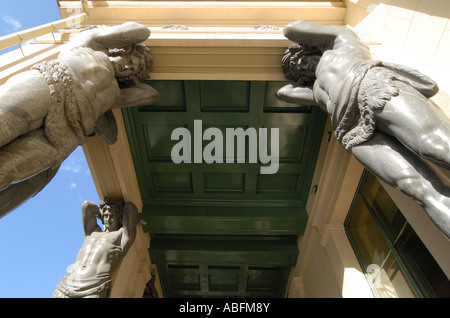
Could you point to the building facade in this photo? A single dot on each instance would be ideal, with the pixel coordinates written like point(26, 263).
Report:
point(321, 226)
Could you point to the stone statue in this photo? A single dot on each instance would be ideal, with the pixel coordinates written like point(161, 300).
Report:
point(90, 275)
point(380, 111)
point(48, 111)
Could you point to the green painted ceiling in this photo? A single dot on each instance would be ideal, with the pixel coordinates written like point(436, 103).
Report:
point(190, 203)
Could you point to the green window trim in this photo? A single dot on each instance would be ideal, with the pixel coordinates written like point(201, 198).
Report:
point(394, 260)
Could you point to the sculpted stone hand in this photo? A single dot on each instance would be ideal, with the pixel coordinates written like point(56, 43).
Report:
point(90, 275)
point(46, 112)
point(380, 111)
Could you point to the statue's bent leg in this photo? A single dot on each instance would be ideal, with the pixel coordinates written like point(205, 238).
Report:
point(16, 194)
point(24, 101)
point(25, 157)
point(389, 160)
point(419, 125)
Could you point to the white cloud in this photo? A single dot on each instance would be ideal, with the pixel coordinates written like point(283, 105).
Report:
point(71, 167)
point(72, 164)
point(73, 185)
point(13, 22)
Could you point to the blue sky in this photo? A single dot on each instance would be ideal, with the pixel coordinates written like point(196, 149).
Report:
point(41, 238)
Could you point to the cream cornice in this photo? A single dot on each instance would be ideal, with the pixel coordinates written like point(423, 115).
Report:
point(209, 13)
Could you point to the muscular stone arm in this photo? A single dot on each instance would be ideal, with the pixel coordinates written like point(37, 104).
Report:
point(113, 37)
point(137, 95)
point(312, 34)
point(89, 211)
point(327, 37)
point(106, 128)
point(129, 222)
point(296, 94)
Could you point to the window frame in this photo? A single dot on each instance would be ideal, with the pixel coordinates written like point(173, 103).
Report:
point(390, 242)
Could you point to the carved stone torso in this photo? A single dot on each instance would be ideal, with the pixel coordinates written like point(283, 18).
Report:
point(100, 252)
point(96, 88)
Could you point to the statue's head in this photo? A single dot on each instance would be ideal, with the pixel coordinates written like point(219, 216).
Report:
point(111, 213)
point(300, 62)
point(131, 64)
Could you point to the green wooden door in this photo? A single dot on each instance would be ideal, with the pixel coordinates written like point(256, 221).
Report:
point(222, 199)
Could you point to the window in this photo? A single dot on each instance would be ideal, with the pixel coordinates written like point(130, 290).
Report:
point(395, 261)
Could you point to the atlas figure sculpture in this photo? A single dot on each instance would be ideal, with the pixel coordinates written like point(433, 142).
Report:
point(48, 111)
point(380, 112)
point(101, 252)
